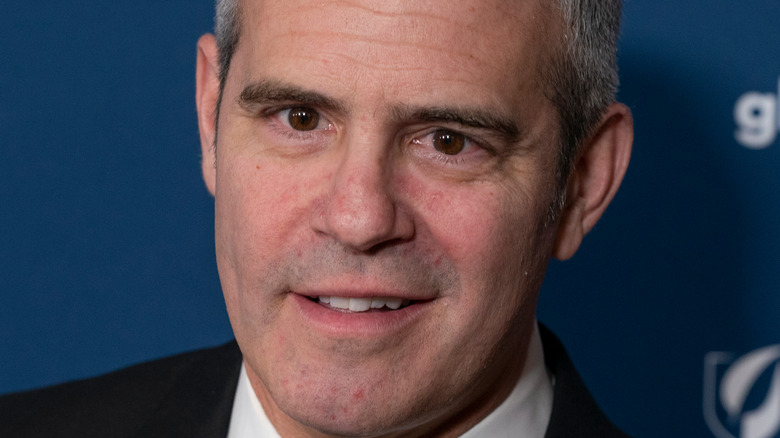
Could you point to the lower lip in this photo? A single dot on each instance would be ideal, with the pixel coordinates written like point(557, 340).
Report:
point(338, 324)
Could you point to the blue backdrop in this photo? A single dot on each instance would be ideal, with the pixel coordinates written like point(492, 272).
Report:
point(670, 310)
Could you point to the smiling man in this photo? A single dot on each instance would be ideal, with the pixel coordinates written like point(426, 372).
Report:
point(391, 179)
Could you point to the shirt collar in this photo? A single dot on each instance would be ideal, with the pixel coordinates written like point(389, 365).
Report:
point(248, 418)
point(528, 407)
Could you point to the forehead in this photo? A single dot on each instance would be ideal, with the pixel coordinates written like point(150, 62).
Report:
point(405, 49)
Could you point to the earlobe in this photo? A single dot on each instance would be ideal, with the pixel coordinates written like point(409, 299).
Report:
point(206, 97)
point(595, 178)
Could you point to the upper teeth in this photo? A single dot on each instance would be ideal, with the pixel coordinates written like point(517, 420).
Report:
point(362, 304)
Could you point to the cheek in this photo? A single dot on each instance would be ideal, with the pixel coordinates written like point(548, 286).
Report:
point(244, 210)
point(261, 212)
point(476, 225)
point(259, 207)
point(494, 236)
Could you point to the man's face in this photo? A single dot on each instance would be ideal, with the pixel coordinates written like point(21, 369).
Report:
point(400, 152)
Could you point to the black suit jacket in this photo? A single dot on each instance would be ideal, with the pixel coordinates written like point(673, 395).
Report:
point(191, 395)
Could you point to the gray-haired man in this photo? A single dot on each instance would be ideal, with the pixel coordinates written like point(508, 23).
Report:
point(390, 179)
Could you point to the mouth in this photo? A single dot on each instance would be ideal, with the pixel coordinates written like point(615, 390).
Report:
point(351, 317)
point(362, 305)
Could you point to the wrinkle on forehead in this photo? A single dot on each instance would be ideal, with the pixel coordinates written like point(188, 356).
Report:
point(479, 53)
point(470, 33)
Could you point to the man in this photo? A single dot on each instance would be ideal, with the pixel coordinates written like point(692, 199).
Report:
point(390, 181)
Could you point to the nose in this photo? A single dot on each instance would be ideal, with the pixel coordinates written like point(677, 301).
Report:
point(360, 210)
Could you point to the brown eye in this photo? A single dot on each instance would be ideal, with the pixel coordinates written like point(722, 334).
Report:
point(448, 142)
point(303, 119)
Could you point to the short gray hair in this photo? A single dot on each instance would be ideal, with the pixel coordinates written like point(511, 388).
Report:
point(582, 80)
point(227, 29)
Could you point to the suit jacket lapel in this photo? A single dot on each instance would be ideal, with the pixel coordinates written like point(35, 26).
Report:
point(200, 400)
point(574, 412)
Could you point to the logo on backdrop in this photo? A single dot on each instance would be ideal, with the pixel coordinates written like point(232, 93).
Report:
point(758, 118)
point(742, 394)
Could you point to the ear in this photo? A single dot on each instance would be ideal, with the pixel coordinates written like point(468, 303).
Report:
point(206, 97)
point(595, 178)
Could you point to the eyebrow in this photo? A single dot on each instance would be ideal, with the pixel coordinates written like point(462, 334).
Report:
point(272, 91)
point(476, 118)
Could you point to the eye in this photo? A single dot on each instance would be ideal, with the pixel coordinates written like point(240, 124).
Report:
point(451, 148)
point(303, 119)
point(448, 142)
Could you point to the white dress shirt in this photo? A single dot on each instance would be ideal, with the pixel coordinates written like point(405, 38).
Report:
point(524, 414)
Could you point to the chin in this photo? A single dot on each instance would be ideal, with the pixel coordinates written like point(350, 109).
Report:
point(341, 409)
point(368, 420)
